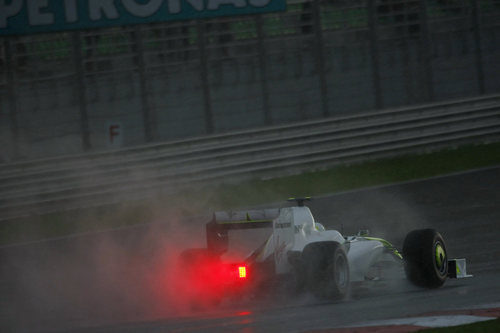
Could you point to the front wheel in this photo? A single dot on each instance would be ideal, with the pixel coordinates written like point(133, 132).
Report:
point(426, 260)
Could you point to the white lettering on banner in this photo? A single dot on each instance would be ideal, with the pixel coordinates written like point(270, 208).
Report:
point(70, 11)
point(142, 10)
point(214, 4)
point(97, 7)
point(259, 3)
point(35, 14)
point(7, 11)
point(174, 6)
point(43, 12)
point(197, 4)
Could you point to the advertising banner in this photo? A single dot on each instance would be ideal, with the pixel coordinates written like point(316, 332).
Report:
point(18, 17)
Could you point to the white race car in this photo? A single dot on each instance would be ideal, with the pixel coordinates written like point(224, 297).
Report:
point(304, 256)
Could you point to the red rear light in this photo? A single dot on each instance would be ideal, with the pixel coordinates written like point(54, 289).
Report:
point(242, 272)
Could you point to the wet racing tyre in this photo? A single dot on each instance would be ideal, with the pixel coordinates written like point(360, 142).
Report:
point(326, 270)
point(425, 258)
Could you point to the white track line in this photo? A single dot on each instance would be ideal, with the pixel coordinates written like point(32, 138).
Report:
point(413, 181)
point(428, 321)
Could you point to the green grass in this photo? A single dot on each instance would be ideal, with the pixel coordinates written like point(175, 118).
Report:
point(384, 171)
point(490, 326)
point(250, 193)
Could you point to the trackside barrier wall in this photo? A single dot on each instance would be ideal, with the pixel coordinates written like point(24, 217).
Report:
point(54, 184)
point(104, 89)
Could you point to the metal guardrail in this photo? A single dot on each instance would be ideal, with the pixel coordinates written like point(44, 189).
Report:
point(42, 186)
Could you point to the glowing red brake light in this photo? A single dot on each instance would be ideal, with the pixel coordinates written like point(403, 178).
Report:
point(242, 272)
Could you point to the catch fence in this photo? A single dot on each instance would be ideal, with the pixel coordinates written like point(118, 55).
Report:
point(73, 92)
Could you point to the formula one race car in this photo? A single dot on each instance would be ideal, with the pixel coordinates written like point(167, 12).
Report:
point(304, 256)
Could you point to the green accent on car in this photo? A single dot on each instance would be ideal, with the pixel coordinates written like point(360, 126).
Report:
point(440, 255)
point(387, 245)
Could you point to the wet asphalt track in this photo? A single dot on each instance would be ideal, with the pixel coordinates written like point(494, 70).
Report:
point(108, 281)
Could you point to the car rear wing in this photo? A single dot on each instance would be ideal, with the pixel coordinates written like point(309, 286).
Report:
point(217, 229)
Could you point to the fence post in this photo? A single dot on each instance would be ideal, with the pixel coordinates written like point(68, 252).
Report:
point(12, 99)
point(425, 52)
point(81, 90)
point(320, 58)
point(476, 27)
point(209, 122)
point(148, 116)
point(374, 51)
point(268, 119)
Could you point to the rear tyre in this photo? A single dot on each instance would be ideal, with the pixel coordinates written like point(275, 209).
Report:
point(326, 270)
point(426, 260)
